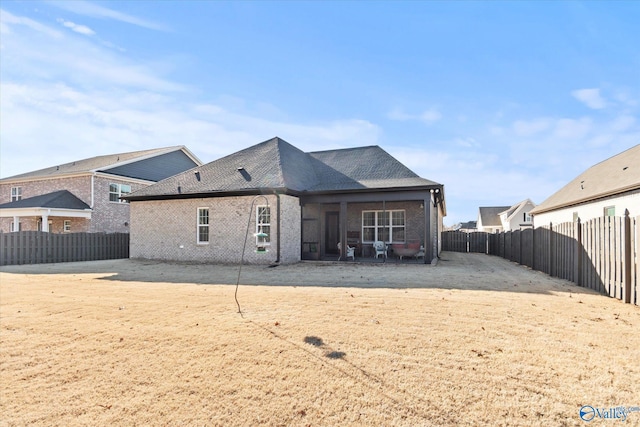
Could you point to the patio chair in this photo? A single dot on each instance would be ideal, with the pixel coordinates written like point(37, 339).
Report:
point(351, 252)
point(380, 248)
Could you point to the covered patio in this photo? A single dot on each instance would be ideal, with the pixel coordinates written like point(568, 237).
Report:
point(406, 222)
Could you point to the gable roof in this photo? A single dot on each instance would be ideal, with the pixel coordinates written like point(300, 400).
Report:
point(62, 199)
point(515, 208)
point(276, 164)
point(616, 175)
point(490, 215)
point(150, 165)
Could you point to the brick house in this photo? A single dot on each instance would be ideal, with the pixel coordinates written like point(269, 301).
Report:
point(84, 196)
point(311, 206)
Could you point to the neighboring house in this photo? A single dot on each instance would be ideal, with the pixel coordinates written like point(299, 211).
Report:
point(84, 196)
point(489, 218)
point(467, 227)
point(311, 206)
point(517, 217)
point(605, 189)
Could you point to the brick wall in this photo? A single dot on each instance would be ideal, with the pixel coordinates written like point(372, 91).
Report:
point(315, 215)
point(107, 216)
point(166, 229)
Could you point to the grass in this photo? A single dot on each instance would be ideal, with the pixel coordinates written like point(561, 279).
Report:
point(84, 349)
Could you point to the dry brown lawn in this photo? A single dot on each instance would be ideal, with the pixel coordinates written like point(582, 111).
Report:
point(475, 340)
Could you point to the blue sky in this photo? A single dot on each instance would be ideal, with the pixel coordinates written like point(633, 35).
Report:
point(498, 101)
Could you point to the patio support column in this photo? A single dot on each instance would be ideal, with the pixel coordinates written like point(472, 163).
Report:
point(16, 223)
point(343, 229)
point(428, 244)
point(45, 222)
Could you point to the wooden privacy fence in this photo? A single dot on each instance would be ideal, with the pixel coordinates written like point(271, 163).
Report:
point(601, 254)
point(37, 247)
point(458, 241)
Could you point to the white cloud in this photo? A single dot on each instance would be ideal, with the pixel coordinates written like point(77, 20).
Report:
point(623, 123)
point(531, 127)
point(428, 116)
point(82, 29)
point(78, 61)
point(572, 128)
point(96, 11)
point(7, 19)
point(590, 97)
point(83, 123)
point(399, 115)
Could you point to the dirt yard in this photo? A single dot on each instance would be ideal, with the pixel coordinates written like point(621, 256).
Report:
point(475, 340)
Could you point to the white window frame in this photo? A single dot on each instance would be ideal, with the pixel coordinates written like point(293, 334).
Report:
point(66, 226)
point(201, 226)
point(379, 225)
point(121, 190)
point(16, 194)
point(263, 223)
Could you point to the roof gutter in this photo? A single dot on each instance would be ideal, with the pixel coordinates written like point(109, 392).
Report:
point(601, 196)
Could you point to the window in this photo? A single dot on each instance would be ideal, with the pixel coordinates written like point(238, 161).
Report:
point(610, 211)
point(16, 194)
point(66, 226)
point(386, 226)
point(526, 217)
point(118, 190)
point(263, 222)
point(203, 225)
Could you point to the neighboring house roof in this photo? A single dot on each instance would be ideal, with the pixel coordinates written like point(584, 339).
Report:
point(616, 175)
point(62, 199)
point(150, 165)
point(490, 215)
point(276, 164)
point(516, 208)
point(469, 225)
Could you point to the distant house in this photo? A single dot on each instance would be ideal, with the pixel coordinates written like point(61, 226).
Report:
point(518, 216)
point(85, 195)
point(605, 189)
point(467, 227)
point(489, 218)
point(309, 206)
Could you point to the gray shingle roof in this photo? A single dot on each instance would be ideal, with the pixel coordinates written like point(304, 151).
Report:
point(62, 199)
point(618, 174)
point(276, 164)
point(151, 165)
point(490, 215)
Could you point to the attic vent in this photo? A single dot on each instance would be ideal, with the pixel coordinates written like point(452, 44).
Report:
point(197, 173)
point(240, 169)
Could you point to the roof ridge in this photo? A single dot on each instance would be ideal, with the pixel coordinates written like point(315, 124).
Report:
point(345, 149)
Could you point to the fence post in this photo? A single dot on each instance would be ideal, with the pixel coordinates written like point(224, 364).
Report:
point(577, 273)
point(551, 249)
point(626, 262)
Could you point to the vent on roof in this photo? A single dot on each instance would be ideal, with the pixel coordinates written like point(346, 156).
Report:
point(244, 173)
point(625, 168)
point(197, 175)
